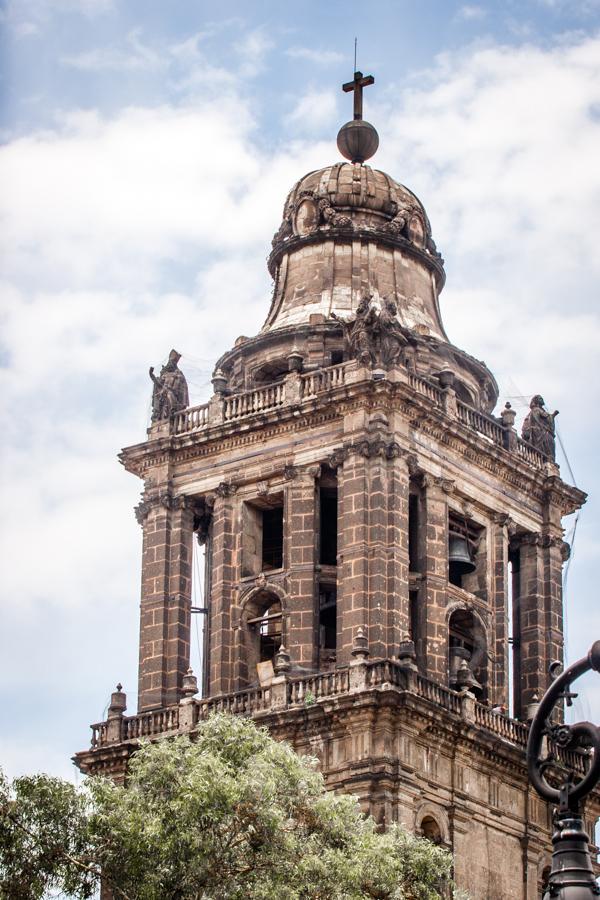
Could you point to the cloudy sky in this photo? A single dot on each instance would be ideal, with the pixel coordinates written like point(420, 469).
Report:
point(146, 152)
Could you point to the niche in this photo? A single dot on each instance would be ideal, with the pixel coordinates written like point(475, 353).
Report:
point(328, 518)
point(262, 536)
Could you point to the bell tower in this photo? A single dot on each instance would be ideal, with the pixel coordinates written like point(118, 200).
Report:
point(383, 553)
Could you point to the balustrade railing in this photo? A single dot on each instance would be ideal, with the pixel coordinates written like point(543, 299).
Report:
point(250, 402)
point(273, 396)
point(530, 454)
point(422, 386)
point(485, 425)
point(322, 380)
point(149, 724)
point(308, 689)
point(190, 419)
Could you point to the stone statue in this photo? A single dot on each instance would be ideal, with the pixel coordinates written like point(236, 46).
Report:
point(539, 428)
point(374, 338)
point(170, 392)
point(392, 340)
point(359, 331)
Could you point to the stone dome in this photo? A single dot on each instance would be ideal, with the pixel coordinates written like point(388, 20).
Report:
point(350, 230)
point(353, 196)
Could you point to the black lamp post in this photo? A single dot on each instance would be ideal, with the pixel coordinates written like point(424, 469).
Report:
point(572, 876)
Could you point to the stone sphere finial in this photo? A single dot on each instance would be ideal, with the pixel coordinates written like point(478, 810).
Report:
point(360, 647)
point(357, 140)
point(189, 685)
point(282, 661)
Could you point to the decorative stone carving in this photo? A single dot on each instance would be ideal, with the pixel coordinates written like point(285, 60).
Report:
point(398, 224)
point(306, 218)
point(203, 517)
point(539, 428)
point(226, 489)
point(329, 215)
point(162, 498)
point(290, 472)
point(170, 392)
point(374, 336)
point(337, 458)
point(416, 230)
point(370, 448)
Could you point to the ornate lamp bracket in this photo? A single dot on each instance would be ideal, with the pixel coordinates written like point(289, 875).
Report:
point(558, 782)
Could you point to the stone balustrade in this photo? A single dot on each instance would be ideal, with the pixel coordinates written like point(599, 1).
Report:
point(309, 385)
point(326, 379)
point(307, 690)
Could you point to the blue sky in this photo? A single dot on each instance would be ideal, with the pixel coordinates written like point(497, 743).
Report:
point(146, 152)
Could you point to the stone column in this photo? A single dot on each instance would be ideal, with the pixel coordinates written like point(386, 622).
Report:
point(165, 612)
point(373, 531)
point(500, 649)
point(300, 536)
point(435, 581)
point(353, 583)
point(541, 613)
point(223, 574)
point(398, 623)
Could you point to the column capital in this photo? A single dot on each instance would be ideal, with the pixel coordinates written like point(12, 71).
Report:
point(162, 499)
point(372, 447)
point(226, 489)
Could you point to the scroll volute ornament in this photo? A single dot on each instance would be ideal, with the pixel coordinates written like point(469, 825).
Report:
point(306, 218)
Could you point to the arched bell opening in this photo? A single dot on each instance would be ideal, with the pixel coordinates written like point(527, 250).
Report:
point(467, 652)
point(261, 636)
point(431, 831)
point(466, 554)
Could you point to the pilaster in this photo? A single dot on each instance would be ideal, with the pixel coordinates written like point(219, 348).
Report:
point(221, 598)
point(300, 535)
point(435, 580)
point(165, 610)
point(499, 604)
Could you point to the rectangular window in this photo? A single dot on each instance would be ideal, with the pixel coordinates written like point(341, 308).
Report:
point(328, 530)
point(262, 536)
point(272, 538)
point(413, 532)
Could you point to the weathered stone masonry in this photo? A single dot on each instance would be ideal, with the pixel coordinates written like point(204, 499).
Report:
point(381, 550)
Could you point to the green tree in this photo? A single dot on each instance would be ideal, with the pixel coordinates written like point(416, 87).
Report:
point(230, 815)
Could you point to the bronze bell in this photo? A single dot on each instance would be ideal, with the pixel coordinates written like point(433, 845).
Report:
point(460, 560)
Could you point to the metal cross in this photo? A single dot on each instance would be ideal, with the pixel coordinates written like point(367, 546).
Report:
point(360, 81)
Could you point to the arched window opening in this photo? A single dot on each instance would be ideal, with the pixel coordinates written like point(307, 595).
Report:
point(261, 636)
point(267, 627)
point(431, 831)
point(466, 554)
point(467, 651)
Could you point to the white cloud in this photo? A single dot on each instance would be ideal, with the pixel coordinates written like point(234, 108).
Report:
point(471, 12)
point(314, 111)
point(318, 57)
point(131, 234)
point(136, 56)
point(252, 51)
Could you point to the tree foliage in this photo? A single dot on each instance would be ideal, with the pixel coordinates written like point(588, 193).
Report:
point(230, 815)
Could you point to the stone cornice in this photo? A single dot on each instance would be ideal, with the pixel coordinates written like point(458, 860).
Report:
point(348, 234)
